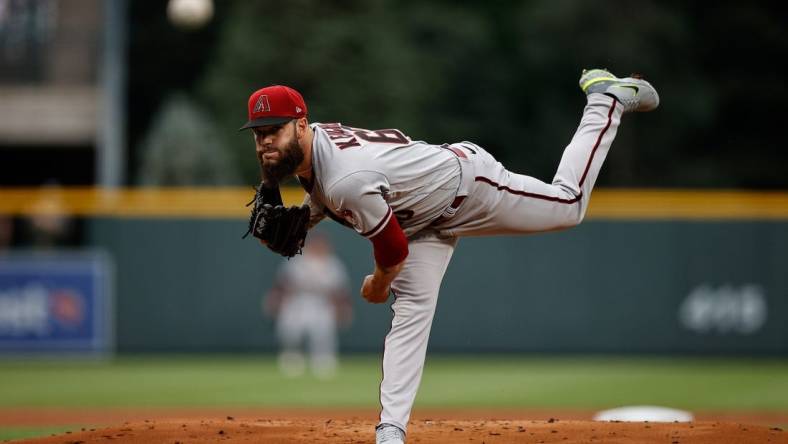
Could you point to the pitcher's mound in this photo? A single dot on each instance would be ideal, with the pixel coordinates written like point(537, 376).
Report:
point(247, 430)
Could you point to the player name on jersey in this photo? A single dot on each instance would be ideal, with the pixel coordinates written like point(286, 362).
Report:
point(336, 132)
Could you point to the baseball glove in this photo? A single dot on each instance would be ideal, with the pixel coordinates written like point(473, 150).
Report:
point(282, 229)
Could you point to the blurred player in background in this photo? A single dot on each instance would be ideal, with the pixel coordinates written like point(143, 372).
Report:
point(310, 302)
point(48, 226)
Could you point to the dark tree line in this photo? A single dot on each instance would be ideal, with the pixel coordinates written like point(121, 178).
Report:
point(504, 74)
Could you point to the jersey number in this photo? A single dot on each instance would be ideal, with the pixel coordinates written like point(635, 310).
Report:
point(382, 136)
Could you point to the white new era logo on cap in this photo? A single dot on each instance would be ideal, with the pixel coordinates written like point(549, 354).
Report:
point(298, 109)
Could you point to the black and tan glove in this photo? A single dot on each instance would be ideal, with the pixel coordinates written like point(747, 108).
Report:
point(282, 229)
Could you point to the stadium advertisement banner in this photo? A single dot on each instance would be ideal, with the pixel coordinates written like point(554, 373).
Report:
point(56, 303)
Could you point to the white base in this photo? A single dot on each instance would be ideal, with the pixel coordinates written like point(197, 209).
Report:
point(644, 413)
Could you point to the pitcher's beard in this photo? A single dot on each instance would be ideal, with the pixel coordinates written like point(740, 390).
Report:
point(286, 165)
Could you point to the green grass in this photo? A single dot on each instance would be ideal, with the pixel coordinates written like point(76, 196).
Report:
point(7, 433)
point(592, 383)
point(449, 381)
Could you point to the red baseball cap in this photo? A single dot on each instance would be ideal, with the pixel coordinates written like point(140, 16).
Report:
point(273, 105)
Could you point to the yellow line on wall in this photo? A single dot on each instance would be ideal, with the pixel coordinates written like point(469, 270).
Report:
point(228, 202)
point(135, 202)
point(688, 204)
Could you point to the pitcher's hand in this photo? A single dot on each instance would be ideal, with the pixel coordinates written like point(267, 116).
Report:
point(373, 292)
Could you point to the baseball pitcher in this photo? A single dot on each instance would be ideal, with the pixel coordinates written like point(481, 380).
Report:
point(413, 200)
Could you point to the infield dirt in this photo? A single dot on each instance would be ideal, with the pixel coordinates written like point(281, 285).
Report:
point(346, 426)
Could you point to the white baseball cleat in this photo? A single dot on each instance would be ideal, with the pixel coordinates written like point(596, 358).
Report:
point(633, 92)
point(389, 434)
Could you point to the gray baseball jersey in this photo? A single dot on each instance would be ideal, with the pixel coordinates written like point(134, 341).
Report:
point(364, 177)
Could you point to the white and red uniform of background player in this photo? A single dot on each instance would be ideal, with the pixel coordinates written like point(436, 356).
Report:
point(309, 312)
point(413, 200)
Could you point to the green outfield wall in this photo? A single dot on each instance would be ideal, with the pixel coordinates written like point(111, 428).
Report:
point(619, 286)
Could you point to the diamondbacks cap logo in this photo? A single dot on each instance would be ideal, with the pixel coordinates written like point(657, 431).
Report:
point(273, 105)
point(262, 104)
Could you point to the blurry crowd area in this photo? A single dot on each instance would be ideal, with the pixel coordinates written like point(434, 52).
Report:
point(502, 74)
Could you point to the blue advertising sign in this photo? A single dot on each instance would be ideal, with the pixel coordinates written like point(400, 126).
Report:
point(55, 302)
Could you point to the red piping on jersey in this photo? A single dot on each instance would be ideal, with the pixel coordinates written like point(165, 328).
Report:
point(390, 245)
point(527, 194)
point(380, 224)
point(599, 139)
point(582, 179)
